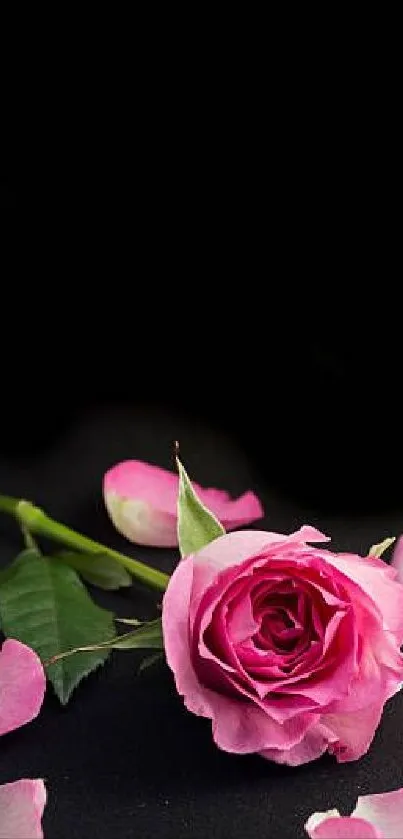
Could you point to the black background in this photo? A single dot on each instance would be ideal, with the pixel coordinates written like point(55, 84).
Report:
point(159, 293)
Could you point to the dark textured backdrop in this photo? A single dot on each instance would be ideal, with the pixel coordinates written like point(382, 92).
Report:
point(125, 758)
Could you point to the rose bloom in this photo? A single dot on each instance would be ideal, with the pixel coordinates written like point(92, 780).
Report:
point(290, 650)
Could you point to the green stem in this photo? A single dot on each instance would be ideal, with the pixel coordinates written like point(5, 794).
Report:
point(36, 521)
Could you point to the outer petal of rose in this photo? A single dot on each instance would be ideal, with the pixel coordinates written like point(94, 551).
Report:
point(379, 675)
point(233, 548)
point(22, 685)
point(245, 729)
point(384, 810)
point(142, 500)
point(397, 559)
point(378, 580)
point(341, 827)
point(237, 726)
point(313, 746)
point(175, 626)
point(353, 732)
point(21, 809)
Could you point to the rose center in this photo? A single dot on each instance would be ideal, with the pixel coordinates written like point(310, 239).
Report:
point(280, 626)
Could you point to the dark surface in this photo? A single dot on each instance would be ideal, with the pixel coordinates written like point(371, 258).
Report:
point(125, 759)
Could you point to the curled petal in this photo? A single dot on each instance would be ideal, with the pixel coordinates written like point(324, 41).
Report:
point(21, 808)
point(311, 747)
point(141, 500)
point(22, 685)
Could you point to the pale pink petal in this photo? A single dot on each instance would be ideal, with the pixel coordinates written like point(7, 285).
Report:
point(244, 728)
point(175, 626)
point(22, 685)
point(384, 810)
point(230, 512)
point(21, 809)
point(312, 746)
point(142, 501)
point(343, 828)
point(354, 732)
point(397, 559)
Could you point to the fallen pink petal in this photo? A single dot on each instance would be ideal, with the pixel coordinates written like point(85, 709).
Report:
point(397, 559)
point(22, 685)
point(141, 500)
point(21, 809)
point(378, 816)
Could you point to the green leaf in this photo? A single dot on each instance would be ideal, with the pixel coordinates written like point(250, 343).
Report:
point(98, 569)
point(197, 526)
point(146, 636)
point(378, 550)
point(44, 604)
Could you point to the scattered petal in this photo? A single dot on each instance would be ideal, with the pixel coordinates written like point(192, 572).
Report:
point(141, 500)
point(22, 685)
point(344, 828)
point(384, 810)
point(21, 808)
point(377, 816)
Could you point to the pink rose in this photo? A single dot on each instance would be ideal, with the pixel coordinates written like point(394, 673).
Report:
point(375, 817)
point(290, 650)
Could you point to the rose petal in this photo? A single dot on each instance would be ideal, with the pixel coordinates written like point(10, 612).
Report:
point(241, 623)
point(354, 731)
point(379, 673)
point(397, 559)
point(245, 728)
point(384, 810)
point(312, 746)
point(378, 580)
point(343, 828)
point(175, 627)
point(142, 500)
point(317, 818)
point(21, 809)
point(22, 685)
